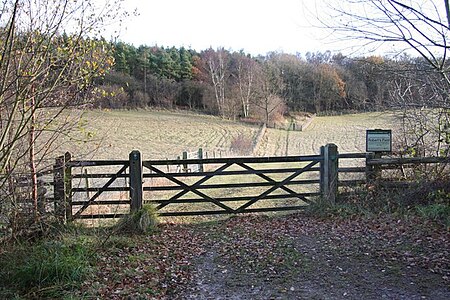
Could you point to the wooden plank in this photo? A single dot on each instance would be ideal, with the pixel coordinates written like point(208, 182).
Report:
point(136, 189)
point(352, 155)
point(227, 173)
point(235, 199)
point(102, 202)
point(99, 175)
point(330, 177)
point(97, 163)
point(247, 160)
point(221, 212)
point(103, 189)
point(352, 170)
point(231, 185)
point(407, 160)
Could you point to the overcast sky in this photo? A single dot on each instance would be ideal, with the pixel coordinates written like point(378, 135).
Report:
point(256, 26)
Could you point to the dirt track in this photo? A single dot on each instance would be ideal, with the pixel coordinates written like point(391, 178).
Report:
point(303, 258)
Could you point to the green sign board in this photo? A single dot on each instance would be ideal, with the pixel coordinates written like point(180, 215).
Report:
point(379, 140)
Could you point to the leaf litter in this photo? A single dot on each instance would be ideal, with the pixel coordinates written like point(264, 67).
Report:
point(288, 257)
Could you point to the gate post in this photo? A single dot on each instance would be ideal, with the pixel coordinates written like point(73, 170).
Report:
point(322, 170)
point(136, 178)
point(62, 188)
point(370, 174)
point(330, 173)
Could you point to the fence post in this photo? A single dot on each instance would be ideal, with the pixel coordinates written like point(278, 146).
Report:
point(322, 170)
point(136, 178)
point(373, 173)
point(330, 173)
point(200, 156)
point(62, 188)
point(185, 166)
point(370, 174)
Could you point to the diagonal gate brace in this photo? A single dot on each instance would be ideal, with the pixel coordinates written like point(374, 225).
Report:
point(276, 186)
point(191, 188)
point(285, 188)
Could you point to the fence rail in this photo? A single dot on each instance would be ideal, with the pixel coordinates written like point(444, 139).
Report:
point(218, 186)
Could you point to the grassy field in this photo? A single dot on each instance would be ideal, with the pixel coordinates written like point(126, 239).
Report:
point(157, 134)
point(163, 134)
point(346, 131)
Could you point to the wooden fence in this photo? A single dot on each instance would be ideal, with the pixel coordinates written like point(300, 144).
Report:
point(111, 189)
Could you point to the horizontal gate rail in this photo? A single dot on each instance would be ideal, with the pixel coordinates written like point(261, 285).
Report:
point(103, 202)
point(96, 163)
point(231, 185)
point(222, 212)
point(240, 198)
point(102, 189)
point(407, 160)
point(228, 173)
point(246, 160)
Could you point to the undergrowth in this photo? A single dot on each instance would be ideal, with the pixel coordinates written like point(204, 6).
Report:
point(56, 264)
point(431, 204)
point(45, 268)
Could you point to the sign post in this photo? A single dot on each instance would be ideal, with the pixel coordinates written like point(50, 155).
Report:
point(379, 140)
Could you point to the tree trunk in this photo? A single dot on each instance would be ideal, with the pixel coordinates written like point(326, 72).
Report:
point(34, 181)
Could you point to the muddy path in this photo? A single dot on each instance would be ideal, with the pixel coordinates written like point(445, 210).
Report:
point(298, 257)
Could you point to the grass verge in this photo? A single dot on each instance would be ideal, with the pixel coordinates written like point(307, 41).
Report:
point(45, 269)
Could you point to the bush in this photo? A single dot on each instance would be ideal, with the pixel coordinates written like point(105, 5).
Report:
point(241, 144)
point(141, 222)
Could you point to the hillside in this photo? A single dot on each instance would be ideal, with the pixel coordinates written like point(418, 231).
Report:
point(165, 135)
point(157, 134)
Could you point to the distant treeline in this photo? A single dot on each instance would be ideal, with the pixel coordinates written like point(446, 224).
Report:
point(235, 84)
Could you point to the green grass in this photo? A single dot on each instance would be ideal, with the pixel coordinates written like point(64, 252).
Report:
point(437, 212)
point(45, 269)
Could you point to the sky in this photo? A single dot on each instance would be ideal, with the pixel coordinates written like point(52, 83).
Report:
point(255, 26)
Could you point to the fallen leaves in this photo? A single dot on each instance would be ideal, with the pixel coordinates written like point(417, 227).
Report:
point(257, 250)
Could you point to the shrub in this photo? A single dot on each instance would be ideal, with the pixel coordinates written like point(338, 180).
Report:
point(140, 222)
point(241, 144)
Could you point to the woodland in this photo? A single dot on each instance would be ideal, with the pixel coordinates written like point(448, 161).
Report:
point(234, 84)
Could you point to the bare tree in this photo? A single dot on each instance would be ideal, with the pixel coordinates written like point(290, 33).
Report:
point(420, 28)
point(217, 66)
point(270, 84)
point(409, 25)
point(247, 71)
point(42, 73)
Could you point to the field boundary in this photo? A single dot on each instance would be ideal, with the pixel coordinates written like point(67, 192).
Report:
point(308, 122)
point(259, 137)
point(278, 183)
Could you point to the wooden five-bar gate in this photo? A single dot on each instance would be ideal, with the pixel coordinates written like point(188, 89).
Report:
point(97, 189)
